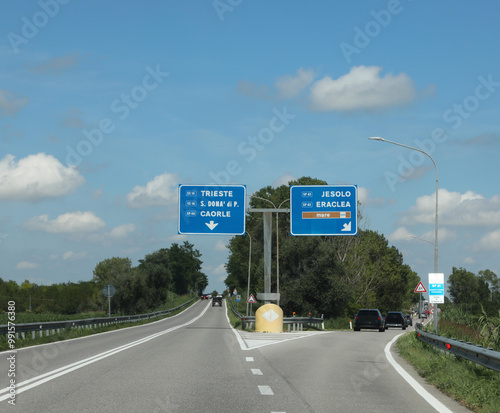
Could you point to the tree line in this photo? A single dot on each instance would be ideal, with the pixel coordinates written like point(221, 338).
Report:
point(475, 292)
point(331, 275)
point(139, 289)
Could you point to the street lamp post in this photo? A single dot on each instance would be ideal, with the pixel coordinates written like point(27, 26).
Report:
point(278, 254)
point(249, 265)
point(436, 255)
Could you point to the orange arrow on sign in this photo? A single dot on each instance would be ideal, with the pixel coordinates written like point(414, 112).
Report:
point(420, 288)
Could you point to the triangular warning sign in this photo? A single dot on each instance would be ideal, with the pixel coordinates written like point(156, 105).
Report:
point(420, 288)
point(251, 299)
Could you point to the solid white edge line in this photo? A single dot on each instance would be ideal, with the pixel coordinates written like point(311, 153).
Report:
point(74, 366)
point(243, 346)
point(96, 334)
point(429, 398)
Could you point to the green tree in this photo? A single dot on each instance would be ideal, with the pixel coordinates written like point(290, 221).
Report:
point(184, 266)
point(463, 286)
point(493, 282)
point(157, 277)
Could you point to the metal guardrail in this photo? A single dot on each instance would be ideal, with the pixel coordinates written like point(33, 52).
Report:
point(487, 357)
point(47, 327)
point(294, 323)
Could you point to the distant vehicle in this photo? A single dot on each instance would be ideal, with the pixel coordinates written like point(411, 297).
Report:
point(395, 319)
point(204, 296)
point(409, 320)
point(369, 318)
point(217, 301)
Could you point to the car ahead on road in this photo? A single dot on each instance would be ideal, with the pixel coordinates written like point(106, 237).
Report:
point(369, 318)
point(217, 300)
point(395, 319)
point(409, 320)
point(204, 296)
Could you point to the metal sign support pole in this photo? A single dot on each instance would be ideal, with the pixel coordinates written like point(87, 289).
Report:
point(267, 252)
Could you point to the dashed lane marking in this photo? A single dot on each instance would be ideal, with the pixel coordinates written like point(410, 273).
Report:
point(266, 391)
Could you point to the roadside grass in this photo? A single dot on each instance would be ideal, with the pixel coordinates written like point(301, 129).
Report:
point(472, 385)
point(337, 323)
point(70, 333)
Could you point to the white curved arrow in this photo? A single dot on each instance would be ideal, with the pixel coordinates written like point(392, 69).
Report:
point(211, 225)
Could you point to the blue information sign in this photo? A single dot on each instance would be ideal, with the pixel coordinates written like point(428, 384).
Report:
point(324, 210)
point(212, 209)
point(436, 288)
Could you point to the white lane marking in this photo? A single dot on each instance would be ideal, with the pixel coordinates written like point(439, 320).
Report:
point(257, 372)
point(238, 337)
point(63, 342)
point(266, 391)
point(429, 398)
point(43, 378)
point(249, 359)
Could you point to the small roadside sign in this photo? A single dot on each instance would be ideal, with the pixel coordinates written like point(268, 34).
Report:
point(420, 288)
point(251, 299)
point(436, 288)
point(238, 298)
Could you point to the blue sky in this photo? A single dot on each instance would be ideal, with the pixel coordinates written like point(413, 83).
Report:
point(107, 106)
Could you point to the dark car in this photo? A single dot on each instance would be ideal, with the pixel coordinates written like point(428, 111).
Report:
point(217, 301)
point(409, 320)
point(395, 319)
point(369, 318)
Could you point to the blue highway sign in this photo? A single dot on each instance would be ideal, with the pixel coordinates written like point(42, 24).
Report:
point(324, 210)
point(212, 209)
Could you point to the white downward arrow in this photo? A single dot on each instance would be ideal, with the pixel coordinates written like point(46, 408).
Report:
point(211, 225)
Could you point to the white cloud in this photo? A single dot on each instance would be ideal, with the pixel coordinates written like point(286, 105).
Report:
point(361, 89)
point(220, 269)
point(469, 260)
point(36, 177)
point(162, 190)
point(444, 234)
point(283, 180)
point(456, 209)
point(491, 241)
point(57, 64)
point(26, 265)
point(10, 104)
point(70, 255)
point(122, 231)
point(401, 234)
point(220, 246)
point(70, 222)
point(363, 195)
point(290, 86)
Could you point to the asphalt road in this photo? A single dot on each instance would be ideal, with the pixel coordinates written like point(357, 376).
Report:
point(196, 362)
